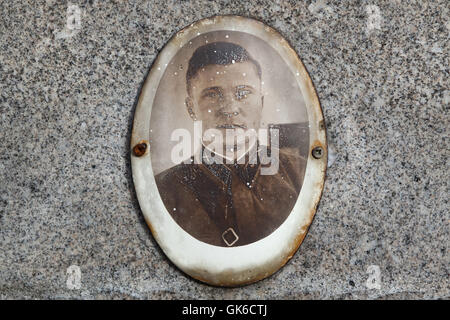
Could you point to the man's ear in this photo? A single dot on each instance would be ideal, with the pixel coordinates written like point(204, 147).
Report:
point(190, 108)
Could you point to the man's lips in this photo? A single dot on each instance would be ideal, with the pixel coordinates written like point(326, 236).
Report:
point(231, 126)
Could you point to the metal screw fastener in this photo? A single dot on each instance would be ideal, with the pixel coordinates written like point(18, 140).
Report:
point(317, 152)
point(139, 149)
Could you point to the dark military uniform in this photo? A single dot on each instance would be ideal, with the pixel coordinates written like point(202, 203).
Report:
point(231, 204)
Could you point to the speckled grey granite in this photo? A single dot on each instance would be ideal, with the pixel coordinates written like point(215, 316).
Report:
point(67, 101)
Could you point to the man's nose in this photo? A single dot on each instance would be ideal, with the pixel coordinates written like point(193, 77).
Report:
point(229, 107)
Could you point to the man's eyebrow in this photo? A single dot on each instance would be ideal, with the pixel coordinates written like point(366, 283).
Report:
point(205, 91)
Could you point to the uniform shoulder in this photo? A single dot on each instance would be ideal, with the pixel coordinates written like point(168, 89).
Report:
point(169, 176)
point(174, 185)
point(179, 174)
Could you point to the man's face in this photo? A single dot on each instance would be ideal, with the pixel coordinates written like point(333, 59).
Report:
point(227, 97)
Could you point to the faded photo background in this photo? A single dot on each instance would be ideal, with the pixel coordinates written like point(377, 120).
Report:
point(283, 100)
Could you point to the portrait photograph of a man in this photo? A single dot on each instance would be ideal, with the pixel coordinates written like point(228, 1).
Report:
point(245, 140)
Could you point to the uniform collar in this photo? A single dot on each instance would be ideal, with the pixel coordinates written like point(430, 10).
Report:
point(247, 171)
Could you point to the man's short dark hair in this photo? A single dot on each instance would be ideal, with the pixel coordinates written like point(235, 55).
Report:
point(217, 53)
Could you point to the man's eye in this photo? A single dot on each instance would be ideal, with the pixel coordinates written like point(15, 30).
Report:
point(212, 94)
point(242, 94)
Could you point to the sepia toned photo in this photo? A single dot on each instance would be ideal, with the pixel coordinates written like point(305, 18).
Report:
point(229, 138)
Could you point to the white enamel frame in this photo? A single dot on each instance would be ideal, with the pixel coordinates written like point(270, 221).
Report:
point(235, 265)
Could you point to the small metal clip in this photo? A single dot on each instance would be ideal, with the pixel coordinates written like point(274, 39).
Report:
point(234, 234)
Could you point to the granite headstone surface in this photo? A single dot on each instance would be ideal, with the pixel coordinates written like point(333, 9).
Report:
point(70, 75)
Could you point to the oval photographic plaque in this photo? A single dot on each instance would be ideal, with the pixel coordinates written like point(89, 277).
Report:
point(228, 150)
